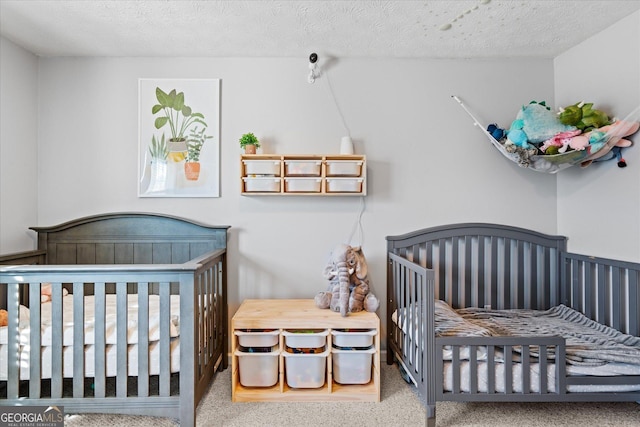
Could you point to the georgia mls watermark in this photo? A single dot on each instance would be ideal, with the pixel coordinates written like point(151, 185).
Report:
point(31, 416)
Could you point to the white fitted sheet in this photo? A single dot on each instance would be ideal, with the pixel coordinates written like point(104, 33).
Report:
point(89, 327)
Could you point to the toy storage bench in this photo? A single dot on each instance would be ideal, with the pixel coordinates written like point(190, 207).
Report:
point(265, 367)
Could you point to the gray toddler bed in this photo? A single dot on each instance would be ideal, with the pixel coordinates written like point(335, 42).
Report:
point(152, 291)
point(475, 277)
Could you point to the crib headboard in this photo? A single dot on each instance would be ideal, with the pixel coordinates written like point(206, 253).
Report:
point(129, 238)
point(475, 264)
point(119, 238)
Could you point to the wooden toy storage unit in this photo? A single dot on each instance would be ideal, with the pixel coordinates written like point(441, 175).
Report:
point(290, 314)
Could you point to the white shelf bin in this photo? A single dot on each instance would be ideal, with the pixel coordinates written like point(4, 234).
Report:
point(258, 338)
point(258, 369)
point(262, 167)
point(353, 338)
point(302, 167)
point(344, 167)
point(261, 184)
point(344, 185)
point(305, 185)
point(305, 338)
point(352, 366)
point(305, 370)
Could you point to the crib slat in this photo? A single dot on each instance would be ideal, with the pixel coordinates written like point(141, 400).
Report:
point(617, 315)
point(600, 283)
point(588, 280)
point(491, 369)
point(520, 263)
point(35, 340)
point(56, 340)
point(99, 290)
point(121, 333)
point(506, 271)
point(455, 289)
point(543, 369)
point(455, 365)
point(533, 280)
point(508, 366)
point(13, 355)
point(634, 303)
point(526, 380)
point(165, 368)
point(467, 272)
point(78, 339)
point(473, 369)
point(493, 276)
point(547, 293)
point(480, 270)
point(143, 339)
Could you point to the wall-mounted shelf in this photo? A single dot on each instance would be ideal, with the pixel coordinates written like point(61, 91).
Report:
point(303, 175)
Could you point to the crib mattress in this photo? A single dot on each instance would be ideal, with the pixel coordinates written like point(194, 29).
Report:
point(450, 322)
point(89, 348)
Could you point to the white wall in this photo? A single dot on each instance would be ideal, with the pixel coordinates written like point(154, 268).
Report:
point(18, 147)
point(428, 163)
point(599, 207)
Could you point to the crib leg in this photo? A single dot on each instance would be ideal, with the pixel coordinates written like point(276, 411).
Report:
point(430, 421)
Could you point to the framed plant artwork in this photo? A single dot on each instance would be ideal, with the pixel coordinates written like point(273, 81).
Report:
point(179, 138)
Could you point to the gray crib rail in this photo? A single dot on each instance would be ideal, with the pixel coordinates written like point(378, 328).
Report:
point(201, 285)
point(604, 290)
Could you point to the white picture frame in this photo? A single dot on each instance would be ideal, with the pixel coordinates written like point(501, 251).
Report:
point(175, 116)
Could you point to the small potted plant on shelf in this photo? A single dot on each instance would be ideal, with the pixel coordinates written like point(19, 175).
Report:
point(249, 142)
point(179, 117)
point(192, 159)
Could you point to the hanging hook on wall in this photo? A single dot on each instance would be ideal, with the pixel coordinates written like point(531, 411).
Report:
point(313, 75)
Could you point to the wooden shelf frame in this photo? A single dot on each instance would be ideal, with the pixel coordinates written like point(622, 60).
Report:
point(283, 314)
point(281, 178)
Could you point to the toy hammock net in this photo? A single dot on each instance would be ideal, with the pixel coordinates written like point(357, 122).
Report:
point(604, 143)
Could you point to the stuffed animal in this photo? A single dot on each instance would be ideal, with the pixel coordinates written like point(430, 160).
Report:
point(583, 116)
point(538, 123)
point(4, 317)
point(348, 290)
point(604, 139)
point(45, 292)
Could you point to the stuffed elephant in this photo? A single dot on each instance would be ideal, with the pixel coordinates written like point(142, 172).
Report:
point(348, 290)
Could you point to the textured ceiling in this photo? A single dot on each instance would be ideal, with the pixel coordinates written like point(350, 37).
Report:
point(411, 29)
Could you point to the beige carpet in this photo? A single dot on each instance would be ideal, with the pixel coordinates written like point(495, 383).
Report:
point(399, 406)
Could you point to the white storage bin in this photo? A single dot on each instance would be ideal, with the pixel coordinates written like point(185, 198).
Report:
point(257, 338)
point(352, 366)
point(262, 167)
point(344, 185)
point(302, 167)
point(258, 369)
point(304, 370)
point(309, 185)
point(353, 337)
point(305, 338)
point(344, 167)
point(261, 184)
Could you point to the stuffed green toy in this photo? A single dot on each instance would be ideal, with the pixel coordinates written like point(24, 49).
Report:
point(583, 116)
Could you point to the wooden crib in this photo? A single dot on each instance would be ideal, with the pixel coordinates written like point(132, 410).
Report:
point(492, 266)
point(152, 291)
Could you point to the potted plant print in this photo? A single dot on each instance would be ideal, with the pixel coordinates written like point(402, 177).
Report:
point(192, 160)
point(179, 116)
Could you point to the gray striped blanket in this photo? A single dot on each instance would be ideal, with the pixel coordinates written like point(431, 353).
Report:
point(587, 342)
